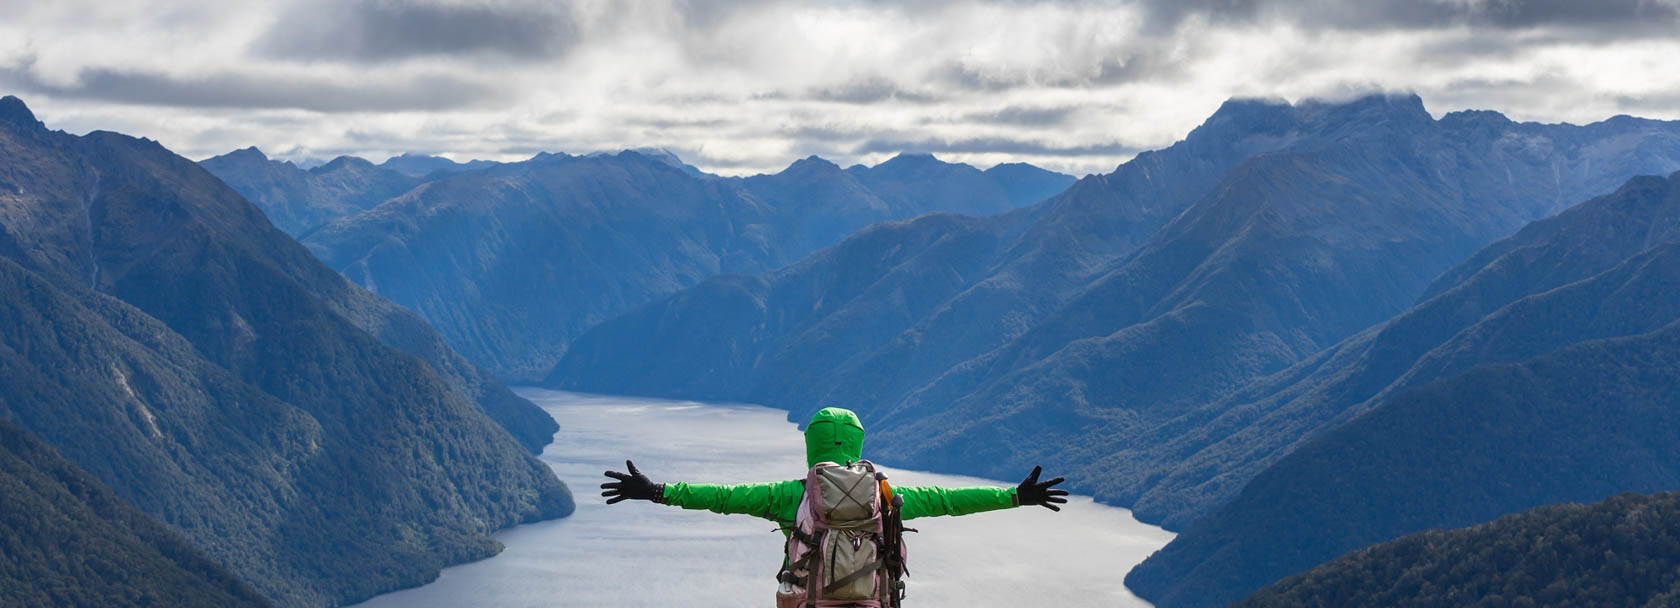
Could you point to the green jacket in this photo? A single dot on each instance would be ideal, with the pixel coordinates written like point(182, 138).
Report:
point(833, 435)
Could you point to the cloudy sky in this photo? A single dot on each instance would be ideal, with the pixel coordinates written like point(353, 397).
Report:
point(749, 86)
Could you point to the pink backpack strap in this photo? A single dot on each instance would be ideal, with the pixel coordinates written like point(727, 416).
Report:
point(812, 485)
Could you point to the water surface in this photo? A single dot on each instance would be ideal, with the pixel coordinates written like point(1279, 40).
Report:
point(642, 554)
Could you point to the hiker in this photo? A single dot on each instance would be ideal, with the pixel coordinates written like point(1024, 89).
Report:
point(847, 535)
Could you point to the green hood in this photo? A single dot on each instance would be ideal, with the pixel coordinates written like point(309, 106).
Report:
point(833, 435)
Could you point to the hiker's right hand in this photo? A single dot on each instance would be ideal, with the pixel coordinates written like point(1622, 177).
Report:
point(632, 485)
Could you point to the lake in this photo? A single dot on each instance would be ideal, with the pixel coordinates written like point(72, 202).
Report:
point(637, 553)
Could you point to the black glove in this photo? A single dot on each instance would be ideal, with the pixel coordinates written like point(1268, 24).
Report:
point(633, 485)
point(1031, 492)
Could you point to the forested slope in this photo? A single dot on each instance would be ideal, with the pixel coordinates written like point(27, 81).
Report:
point(66, 540)
point(1624, 551)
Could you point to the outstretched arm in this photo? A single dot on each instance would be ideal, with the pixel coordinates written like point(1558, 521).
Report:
point(931, 501)
point(775, 501)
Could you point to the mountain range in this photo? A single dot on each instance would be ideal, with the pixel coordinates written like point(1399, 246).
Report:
point(1304, 329)
point(318, 442)
point(510, 261)
point(298, 201)
point(1125, 331)
point(1540, 370)
point(421, 165)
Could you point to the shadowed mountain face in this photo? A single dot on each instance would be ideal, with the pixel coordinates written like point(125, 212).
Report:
point(1249, 430)
point(70, 542)
point(1100, 331)
point(512, 262)
point(307, 199)
point(1541, 370)
point(315, 440)
point(299, 201)
point(1620, 552)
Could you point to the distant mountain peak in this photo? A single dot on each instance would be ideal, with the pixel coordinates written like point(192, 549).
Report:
point(1476, 116)
point(246, 159)
point(14, 111)
point(414, 164)
point(912, 157)
point(1243, 108)
point(660, 155)
point(1476, 119)
point(1406, 101)
point(906, 163)
point(812, 163)
point(343, 162)
point(1373, 108)
point(250, 153)
point(1407, 104)
point(1240, 105)
point(1240, 117)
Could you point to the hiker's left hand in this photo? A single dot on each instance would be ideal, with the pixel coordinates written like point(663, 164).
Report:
point(1033, 492)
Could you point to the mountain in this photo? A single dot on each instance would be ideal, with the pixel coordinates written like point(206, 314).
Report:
point(1620, 552)
point(512, 263)
point(898, 303)
point(166, 338)
point(1249, 430)
point(661, 155)
point(1102, 331)
point(68, 541)
point(509, 263)
point(1026, 184)
point(917, 184)
point(420, 165)
point(1522, 385)
point(299, 201)
point(825, 203)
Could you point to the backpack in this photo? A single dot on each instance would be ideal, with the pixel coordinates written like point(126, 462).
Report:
point(846, 547)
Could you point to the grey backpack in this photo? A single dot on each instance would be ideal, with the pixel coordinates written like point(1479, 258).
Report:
point(846, 546)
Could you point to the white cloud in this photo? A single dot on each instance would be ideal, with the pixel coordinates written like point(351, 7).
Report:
point(748, 87)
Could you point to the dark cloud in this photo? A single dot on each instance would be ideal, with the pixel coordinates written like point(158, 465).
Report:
point(991, 145)
point(1169, 13)
point(868, 90)
point(1025, 116)
point(1566, 13)
point(1649, 103)
point(1145, 63)
point(677, 122)
point(387, 30)
point(1507, 95)
point(1124, 66)
point(229, 90)
point(828, 133)
point(1634, 15)
point(960, 75)
point(708, 14)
